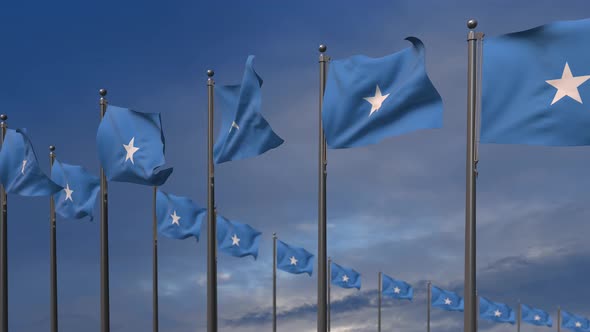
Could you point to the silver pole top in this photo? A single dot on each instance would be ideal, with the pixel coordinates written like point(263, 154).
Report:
point(52, 148)
point(102, 92)
point(323, 48)
point(472, 24)
point(210, 73)
point(3, 117)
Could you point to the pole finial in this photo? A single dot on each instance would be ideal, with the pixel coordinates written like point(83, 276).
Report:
point(3, 117)
point(52, 148)
point(323, 48)
point(210, 73)
point(472, 24)
point(102, 92)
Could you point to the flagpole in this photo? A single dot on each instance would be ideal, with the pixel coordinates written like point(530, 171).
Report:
point(380, 289)
point(519, 314)
point(52, 252)
point(329, 311)
point(211, 226)
point(558, 319)
point(470, 314)
point(3, 243)
point(155, 322)
point(274, 282)
point(322, 229)
point(429, 299)
point(104, 237)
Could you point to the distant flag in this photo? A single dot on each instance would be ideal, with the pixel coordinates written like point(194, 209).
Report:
point(496, 312)
point(370, 99)
point(446, 300)
point(20, 173)
point(574, 322)
point(535, 316)
point(345, 277)
point(244, 132)
point(236, 238)
point(131, 147)
point(396, 289)
point(80, 189)
point(178, 217)
point(536, 86)
point(294, 259)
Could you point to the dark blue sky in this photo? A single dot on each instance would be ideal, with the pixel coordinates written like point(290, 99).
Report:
point(397, 207)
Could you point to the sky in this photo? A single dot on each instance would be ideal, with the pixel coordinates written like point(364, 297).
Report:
point(396, 207)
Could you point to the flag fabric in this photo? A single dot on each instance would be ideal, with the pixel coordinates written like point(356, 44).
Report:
point(131, 147)
point(244, 132)
point(574, 322)
point(534, 84)
point(178, 217)
point(344, 277)
point(496, 312)
point(237, 239)
point(446, 300)
point(369, 99)
point(397, 289)
point(535, 316)
point(293, 259)
point(80, 189)
point(20, 173)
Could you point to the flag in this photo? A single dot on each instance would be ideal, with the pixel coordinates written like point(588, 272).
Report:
point(131, 147)
point(369, 99)
point(535, 316)
point(396, 288)
point(20, 173)
point(80, 189)
point(446, 300)
point(496, 312)
point(574, 322)
point(244, 132)
point(293, 259)
point(534, 86)
point(344, 277)
point(178, 217)
point(236, 238)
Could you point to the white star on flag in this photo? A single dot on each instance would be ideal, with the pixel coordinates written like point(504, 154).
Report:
point(376, 100)
point(22, 170)
point(396, 290)
point(497, 313)
point(345, 278)
point(130, 150)
point(293, 260)
point(68, 192)
point(568, 85)
point(578, 324)
point(448, 301)
point(175, 218)
point(537, 317)
point(234, 125)
point(235, 240)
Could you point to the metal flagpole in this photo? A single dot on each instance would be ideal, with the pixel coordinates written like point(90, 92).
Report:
point(519, 316)
point(52, 252)
point(558, 319)
point(322, 237)
point(380, 288)
point(104, 237)
point(155, 322)
point(3, 244)
point(329, 311)
point(470, 314)
point(274, 282)
point(429, 299)
point(211, 226)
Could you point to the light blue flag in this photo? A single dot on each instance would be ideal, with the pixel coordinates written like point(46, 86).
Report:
point(244, 132)
point(81, 188)
point(574, 322)
point(535, 316)
point(236, 238)
point(370, 99)
point(397, 289)
point(178, 217)
point(446, 300)
point(131, 147)
point(345, 277)
point(536, 86)
point(293, 259)
point(494, 311)
point(20, 173)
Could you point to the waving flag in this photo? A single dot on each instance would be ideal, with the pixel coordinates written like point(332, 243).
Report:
point(81, 188)
point(446, 300)
point(396, 289)
point(178, 217)
point(345, 277)
point(535, 316)
point(20, 173)
point(293, 259)
point(574, 322)
point(496, 312)
point(236, 238)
